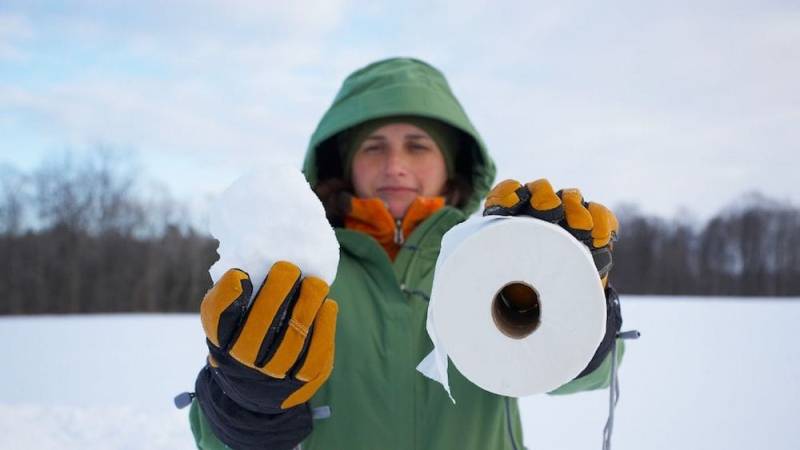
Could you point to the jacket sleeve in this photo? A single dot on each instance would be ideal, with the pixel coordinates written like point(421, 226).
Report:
point(597, 374)
point(203, 436)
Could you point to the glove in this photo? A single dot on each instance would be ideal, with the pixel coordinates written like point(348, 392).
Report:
point(591, 223)
point(267, 357)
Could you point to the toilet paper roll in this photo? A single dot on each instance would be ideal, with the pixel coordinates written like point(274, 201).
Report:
point(516, 304)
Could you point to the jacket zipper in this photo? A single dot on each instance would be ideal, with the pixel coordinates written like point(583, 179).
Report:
point(398, 232)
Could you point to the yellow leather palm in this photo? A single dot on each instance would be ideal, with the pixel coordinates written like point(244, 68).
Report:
point(288, 330)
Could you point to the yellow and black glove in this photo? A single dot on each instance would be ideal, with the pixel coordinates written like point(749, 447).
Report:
point(591, 223)
point(267, 356)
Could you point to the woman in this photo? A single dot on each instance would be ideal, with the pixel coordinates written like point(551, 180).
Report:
point(397, 163)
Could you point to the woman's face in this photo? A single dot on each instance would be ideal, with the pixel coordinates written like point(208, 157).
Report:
point(398, 163)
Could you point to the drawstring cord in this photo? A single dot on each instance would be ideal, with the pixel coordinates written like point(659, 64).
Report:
point(613, 388)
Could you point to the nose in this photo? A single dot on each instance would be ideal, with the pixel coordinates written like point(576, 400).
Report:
point(396, 163)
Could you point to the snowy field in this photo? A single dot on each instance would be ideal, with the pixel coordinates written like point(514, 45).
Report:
point(707, 374)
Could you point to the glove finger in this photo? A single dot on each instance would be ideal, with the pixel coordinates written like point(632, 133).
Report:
point(577, 219)
point(505, 198)
point(614, 228)
point(320, 350)
point(544, 204)
point(318, 363)
point(604, 222)
point(604, 234)
point(603, 261)
point(224, 306)
point(267, 313)
point(313, 291)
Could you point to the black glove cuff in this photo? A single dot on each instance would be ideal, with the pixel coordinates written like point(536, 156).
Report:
point(242, 428)
point(613, 325)
point(248, 387)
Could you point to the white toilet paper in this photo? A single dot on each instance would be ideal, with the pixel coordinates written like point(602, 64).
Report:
point(481, 256)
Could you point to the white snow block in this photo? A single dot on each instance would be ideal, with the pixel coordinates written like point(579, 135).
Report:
point(271, 214)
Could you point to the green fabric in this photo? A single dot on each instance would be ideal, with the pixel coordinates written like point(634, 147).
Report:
point(393, 87)
point(201, 430)
point(377, 397)
point(442, 134)
point(600, 378)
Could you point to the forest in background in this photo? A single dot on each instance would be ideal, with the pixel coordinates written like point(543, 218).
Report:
point(90, 235)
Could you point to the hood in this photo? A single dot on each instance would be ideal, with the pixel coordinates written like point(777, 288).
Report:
point(398, 86)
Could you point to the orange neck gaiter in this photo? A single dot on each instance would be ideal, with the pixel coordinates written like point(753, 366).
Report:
point(370, 215)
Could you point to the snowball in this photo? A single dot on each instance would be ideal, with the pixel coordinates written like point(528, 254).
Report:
point(271, 214)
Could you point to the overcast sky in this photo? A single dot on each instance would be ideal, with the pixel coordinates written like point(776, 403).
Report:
point(672, 105)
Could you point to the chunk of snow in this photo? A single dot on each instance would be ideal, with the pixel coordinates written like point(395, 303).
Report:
point(271, 214)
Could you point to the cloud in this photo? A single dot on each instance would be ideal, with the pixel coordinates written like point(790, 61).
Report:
point(664, 105)
point(14, 28)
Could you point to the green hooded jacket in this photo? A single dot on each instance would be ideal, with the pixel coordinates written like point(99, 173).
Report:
point(378, 400)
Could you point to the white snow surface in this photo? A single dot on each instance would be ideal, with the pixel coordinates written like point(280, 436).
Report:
point(259, 220)
point(708, 373)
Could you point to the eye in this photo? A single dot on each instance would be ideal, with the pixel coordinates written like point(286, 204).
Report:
point(371, 148)
point(418, 146)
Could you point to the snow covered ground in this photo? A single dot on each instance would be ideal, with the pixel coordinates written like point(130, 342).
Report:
point(707, 374)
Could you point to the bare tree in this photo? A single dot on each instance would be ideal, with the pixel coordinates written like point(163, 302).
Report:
point(12, 201)
point(750, 249)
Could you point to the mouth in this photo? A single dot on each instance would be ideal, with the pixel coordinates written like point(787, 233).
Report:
point(396, 190)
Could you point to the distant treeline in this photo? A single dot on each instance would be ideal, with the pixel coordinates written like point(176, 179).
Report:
point(86, 235)
point(750, 250)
